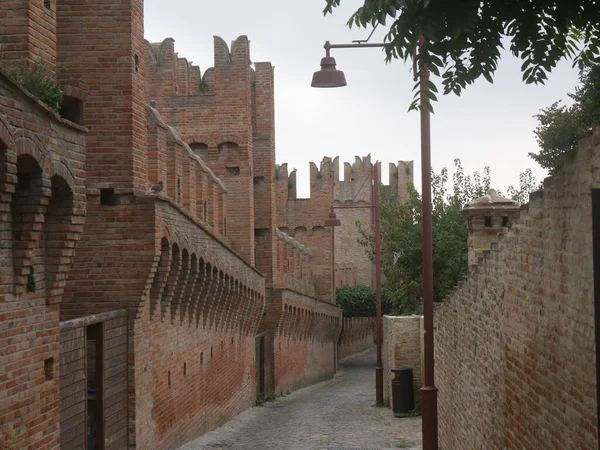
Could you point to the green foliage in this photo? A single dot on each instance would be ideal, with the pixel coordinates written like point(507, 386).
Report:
point(361, 301)
point(560, 127)
point(37, 80)
point(527, 185)
point(460, 40)
point(401, 233)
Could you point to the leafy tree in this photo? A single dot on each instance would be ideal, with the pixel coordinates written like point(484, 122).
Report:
point(560, 127)
point(401, 235)
point(527, 185)
point(361, 301)
point(460, 40)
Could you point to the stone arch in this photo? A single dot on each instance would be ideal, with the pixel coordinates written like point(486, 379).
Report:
point(26, 144)
point(182, 280)
point(60, 236)
point(160, 276)
point(28, 207)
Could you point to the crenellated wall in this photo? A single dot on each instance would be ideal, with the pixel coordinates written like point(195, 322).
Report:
point(304, 219)
point(358, 334)
point(42, 209)
point(305, 341)
point(353, 196)
point(216, 116)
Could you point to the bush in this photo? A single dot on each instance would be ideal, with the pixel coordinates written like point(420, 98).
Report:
point(360, 301)
point(37, 81)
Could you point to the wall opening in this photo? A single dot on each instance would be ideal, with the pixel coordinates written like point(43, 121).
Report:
point(108, 197)
point(487, 221)
point(233, 170)
point(200, 149)
point(72, 109)
point(49, 369)
point(504, 221)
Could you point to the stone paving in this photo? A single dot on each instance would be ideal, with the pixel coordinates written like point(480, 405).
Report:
point(338, 414)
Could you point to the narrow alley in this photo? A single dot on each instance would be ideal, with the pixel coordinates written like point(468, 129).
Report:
point(336, 414)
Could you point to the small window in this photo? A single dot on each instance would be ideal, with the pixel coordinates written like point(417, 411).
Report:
point(504, 221)
point(225, 226)
point(488, 221)
point(47, 4)
point(169, 378)
point(259, 180)
point(205, 212)
point(72, 109)
point(201, 358)
point(49, 369)
point(30, 280)
point(108, 197)
point(136, 60)
point(184, 368)
point(261, 232)
point(235, 171)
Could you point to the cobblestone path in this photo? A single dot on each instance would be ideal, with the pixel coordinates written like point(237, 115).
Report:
point(336, 414)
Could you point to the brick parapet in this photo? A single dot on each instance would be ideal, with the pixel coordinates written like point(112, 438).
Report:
point(357, 335)
point(304, 339)
point(216, 120)
point(522, 324)
point(42, 209)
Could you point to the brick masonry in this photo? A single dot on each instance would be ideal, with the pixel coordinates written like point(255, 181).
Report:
point(42, 207)
point(514, 343)
point(402, 347)
point(358, 334)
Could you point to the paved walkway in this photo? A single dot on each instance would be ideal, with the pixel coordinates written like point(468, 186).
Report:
point(338, 414)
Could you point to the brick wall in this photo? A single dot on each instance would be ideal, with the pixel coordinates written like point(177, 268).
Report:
point(358, 334)
point(514, 343)
point(42, 204)
point(303, 219)
point(29, 32)
point(402, 347)
point(305, 342)
point(215, 116)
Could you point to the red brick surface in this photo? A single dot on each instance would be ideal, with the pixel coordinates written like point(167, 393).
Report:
point(42, 204)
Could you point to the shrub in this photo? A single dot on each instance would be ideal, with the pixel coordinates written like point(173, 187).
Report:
point(360, 301)
point(37, 81)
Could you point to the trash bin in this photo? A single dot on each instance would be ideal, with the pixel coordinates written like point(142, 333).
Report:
point(403, 398)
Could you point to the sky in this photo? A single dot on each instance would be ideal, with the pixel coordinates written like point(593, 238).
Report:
point(488, 125)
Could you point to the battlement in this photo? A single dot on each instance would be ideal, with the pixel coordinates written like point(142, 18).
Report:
point(171, 75)
point(186, 180)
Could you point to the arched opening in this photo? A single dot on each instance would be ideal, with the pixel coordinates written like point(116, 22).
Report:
point(169, 290)
point(72, 109)
point(160, 276)
point(200, 149)
point(58, 249)
point(28, 209)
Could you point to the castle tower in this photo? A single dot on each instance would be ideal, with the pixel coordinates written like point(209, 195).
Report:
point(30, 34)
point(488, 217)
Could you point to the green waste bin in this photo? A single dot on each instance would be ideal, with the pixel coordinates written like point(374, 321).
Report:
point(403, 397)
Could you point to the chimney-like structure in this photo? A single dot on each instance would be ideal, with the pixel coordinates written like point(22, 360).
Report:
point(488, 217)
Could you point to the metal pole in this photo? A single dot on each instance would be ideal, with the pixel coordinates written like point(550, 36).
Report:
point(428, 390)
point(379, 367)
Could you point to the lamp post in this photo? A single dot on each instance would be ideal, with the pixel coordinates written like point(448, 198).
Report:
point(375, 179)
point(329, 76)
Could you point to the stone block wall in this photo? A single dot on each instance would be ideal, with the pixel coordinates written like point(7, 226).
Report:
point(358, 334)
point(515, 342)
point(402, 347)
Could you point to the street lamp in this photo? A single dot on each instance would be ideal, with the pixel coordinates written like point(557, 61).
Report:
point(329, 76)
point(375, 174)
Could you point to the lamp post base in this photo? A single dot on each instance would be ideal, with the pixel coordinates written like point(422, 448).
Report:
point(379, 385)
point(429, 417)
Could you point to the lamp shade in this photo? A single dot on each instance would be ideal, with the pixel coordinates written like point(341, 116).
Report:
point(332, 221)
point(328, 76)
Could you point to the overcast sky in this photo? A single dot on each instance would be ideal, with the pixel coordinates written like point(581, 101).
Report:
point(490, 124)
